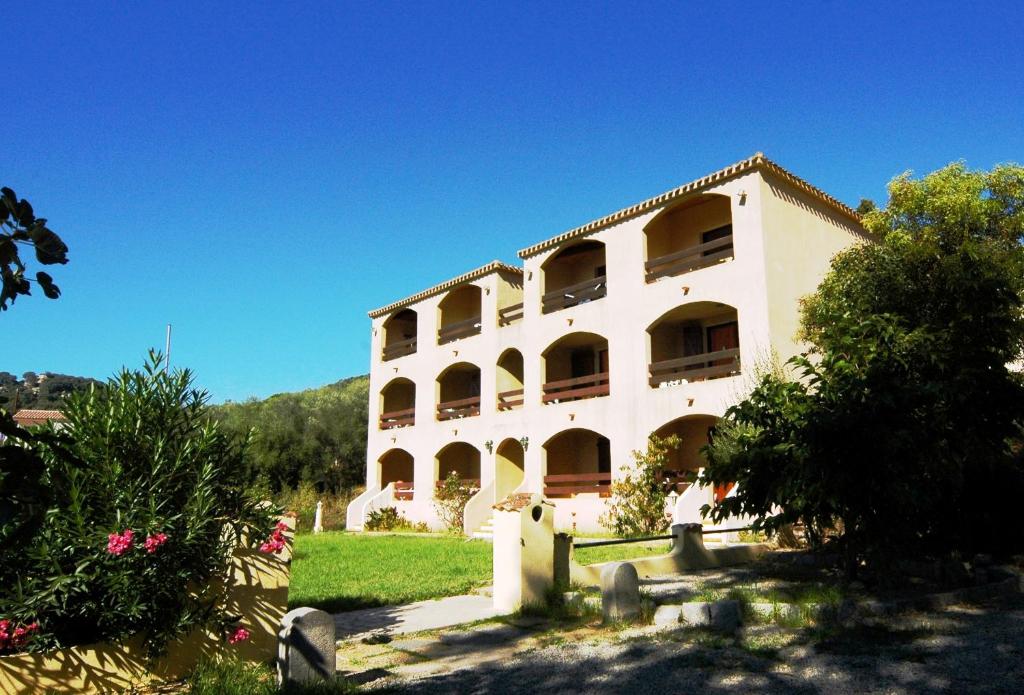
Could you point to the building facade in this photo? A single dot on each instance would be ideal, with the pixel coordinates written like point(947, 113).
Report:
point(545, 377)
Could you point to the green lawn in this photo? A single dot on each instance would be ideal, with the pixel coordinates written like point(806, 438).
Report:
point(337, 571)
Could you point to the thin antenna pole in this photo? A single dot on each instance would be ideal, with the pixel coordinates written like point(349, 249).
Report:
point(167, 351)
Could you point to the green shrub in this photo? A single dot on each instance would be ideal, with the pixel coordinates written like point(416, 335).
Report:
point(390, 519)
point(450, 501)
point(136, 509)
point(637, 506)
point(302, 501)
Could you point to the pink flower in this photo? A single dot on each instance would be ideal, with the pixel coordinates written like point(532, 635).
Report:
point(18, 638)
point(155, 541)
point(239, 635)
point(276, 542)
point(118, 544)
point(281, 526)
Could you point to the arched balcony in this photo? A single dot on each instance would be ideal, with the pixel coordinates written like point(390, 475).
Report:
point(460, 458)
point(694, 342)
point(396, 466)
point(398, 404)
point(576, 367)
point(694, 431)
point(459, 314)
point(510, 380)
point(575, 275)
point(577, 461)
point(399, 334)
point(509, 467)
point(694, 234)
point(458, 392)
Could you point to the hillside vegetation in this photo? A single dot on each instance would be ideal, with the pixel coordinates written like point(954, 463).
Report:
point(45, 391)
point(315, 437)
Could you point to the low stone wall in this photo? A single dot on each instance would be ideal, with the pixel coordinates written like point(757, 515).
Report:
point(259, 594)
point(688, 553)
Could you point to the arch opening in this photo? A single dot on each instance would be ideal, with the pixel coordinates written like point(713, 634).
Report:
point(683, 462)
point(398, 404)
point(576, 367)
point(397, 466)
point(694, 342)
point(458, 392)
point(694, 234)
point(575, 275)
point(510, 380)
point(577, 461)
point(459, 458)
point(459, 314)
point(400, 334)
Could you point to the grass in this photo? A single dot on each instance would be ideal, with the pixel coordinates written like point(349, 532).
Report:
point(338, 571)
point(626, 551)
point(231, 677)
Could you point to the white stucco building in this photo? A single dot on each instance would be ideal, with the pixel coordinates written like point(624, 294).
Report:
point(545, 377)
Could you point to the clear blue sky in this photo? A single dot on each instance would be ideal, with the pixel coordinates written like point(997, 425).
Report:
point(262, 174)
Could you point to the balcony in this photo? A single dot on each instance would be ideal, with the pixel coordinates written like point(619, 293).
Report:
point(399, 337)
point(398, 404)
point(692, 258)
point(463, 407)
point(398, 418)
point(580, 293)
point(709, 365)
point(510, 380)
point(575, 275)
point(458, 392)
point(577, 461)
point(691, 235)
point(510, 314)
point(590, 386)
point(576, 367)
point(459, 314)
point(694, 342)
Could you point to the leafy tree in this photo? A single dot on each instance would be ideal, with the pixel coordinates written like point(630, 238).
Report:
point(638, 500)
point(20, 226)
point(896, 434)
point(450, 501)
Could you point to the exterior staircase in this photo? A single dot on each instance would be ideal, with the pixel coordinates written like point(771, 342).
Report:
point(486, 531)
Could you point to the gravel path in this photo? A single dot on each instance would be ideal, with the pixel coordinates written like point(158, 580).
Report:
point(964, 649)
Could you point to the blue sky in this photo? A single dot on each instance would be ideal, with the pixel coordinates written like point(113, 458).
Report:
point(261, 175)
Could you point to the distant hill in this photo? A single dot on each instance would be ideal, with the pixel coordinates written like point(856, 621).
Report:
point(316, 436)
point(45, 391)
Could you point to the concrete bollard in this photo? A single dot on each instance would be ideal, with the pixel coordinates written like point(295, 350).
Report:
point(318, 519)
point(306, 649)
point(524, 550)
point(620, 592)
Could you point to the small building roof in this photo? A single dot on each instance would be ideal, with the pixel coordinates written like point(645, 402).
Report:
point(758, 161)
point(26, 417)
point(492, 267)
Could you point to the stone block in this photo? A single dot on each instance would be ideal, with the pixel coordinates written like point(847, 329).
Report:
point(725, 616)
point(696, 614)
point(306, 649)
point(620, 592)
point(667, 615)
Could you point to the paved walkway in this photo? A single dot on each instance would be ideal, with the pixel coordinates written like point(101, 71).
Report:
point(413, 617)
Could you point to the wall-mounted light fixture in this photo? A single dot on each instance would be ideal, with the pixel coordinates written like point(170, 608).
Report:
point(524, 442)
point(743, 197)
point(489, 445)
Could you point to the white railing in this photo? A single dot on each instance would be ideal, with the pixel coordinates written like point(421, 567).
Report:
point(354, 512)
point(688, 504)
point(370, 503)
point(478, 509)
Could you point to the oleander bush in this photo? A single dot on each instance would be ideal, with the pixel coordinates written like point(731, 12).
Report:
point(124, 520)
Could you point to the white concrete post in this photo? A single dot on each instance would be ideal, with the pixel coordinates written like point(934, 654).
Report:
point(318, 520)
point(524, 549)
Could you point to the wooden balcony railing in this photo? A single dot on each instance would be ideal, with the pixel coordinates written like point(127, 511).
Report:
point(574, 389)
point(570, 484)
point(403, 490)
point(510, 314)
point(468, 483)
point(459, 329)
point(677, 481)
point(572, 295)
point(464, 407)
point(399, 349)
point(398, 418)
point(507, 400)
point(692, 258)
point(708, 365)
